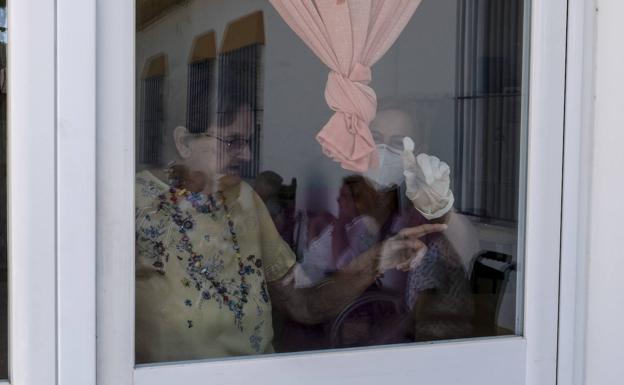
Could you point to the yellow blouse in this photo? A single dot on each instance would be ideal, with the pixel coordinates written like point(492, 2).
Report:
point(202, 266)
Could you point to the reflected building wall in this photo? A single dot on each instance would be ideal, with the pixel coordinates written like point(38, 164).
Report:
point(294, 109)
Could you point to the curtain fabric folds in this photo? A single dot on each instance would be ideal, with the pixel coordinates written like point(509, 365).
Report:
point(349, 36)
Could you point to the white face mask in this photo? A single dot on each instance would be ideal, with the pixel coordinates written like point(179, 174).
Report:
point(390, 169)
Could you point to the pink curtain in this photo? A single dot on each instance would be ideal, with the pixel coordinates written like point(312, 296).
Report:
point(349, 36)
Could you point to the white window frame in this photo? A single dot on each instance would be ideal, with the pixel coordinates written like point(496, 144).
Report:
point(76, 191)
point(51, 191)
point(579, 118)
point(31, 192)
point(531, 359)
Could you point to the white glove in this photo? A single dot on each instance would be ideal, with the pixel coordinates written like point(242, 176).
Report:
point(427, 181)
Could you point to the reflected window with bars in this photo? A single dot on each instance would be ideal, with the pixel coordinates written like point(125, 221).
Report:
point(488, 108)
point(240, 93)
point(201, 84)
point(152, 111)
point(200, 96)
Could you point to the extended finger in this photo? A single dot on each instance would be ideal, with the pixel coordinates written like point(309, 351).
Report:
point(391, 246)
point(403, 244)
point(422, 230)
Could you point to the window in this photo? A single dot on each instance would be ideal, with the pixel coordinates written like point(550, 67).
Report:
point(354, 252)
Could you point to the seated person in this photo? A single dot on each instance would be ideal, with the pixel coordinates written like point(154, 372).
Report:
point(267, 186)
point(279, 201)
point(333, 240)
point(211, 267)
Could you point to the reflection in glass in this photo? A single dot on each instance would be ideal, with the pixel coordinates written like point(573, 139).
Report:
point(250, 239)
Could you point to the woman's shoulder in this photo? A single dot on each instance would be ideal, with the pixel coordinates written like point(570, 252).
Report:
point(148, 187)
point(154, 175)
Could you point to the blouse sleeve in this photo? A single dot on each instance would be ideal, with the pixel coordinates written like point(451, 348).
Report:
point(150, 230)
point(278, 258)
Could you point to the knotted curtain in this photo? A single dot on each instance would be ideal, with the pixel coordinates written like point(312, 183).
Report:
point(349, 36)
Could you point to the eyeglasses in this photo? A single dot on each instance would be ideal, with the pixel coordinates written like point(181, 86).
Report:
point(235, 143)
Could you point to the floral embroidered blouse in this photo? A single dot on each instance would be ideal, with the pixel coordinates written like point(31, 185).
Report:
point(202, 267)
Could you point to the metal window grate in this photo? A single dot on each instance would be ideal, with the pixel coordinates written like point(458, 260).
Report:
point(151, 124)
point(240, 99)
point(487, 109)
point(200, 104)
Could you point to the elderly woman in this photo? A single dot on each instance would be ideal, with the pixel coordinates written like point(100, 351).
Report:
point(210, 265)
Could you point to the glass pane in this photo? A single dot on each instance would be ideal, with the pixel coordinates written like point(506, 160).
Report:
point(326, 174)
point(4, 296)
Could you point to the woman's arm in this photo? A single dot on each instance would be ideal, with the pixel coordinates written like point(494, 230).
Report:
point(326, 299)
